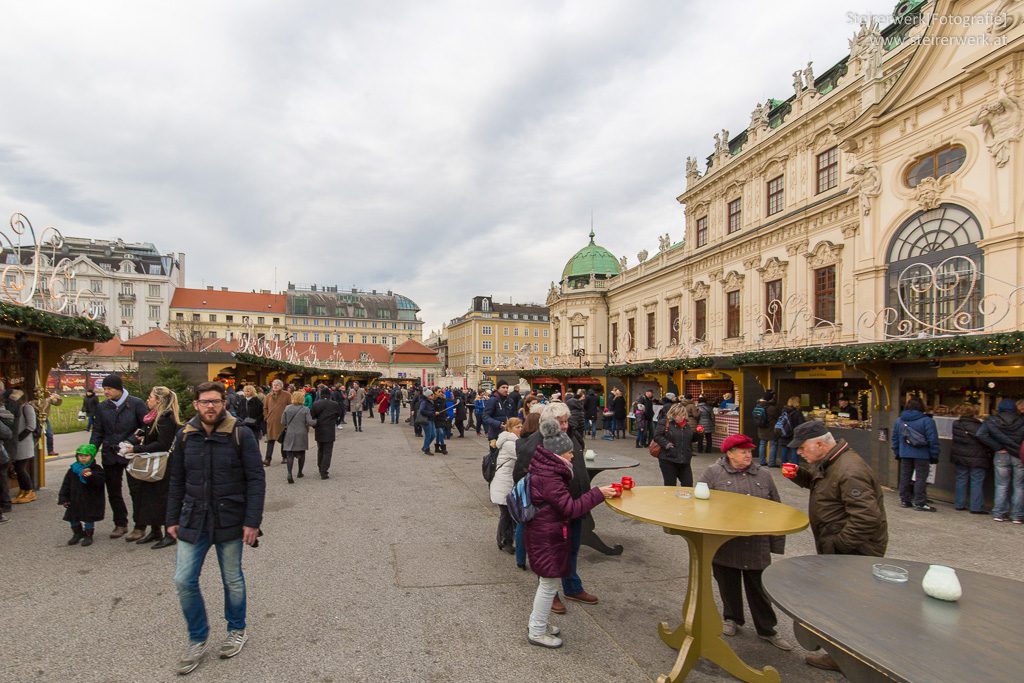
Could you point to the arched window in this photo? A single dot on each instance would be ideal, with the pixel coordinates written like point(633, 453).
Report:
point(935, 273)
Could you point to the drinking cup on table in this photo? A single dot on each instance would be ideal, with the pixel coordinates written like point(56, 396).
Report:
point(627, 483)
point(617, 488)
point(789, 470)
point(701, 490)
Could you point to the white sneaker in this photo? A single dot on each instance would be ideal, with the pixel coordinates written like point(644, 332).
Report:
point(729, 627)
point(778, 641)
point(192, 657)
point(552, 630)
point(232, 644)
point(545, 641)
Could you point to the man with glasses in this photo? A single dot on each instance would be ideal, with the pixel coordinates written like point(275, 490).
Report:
point(212, 502)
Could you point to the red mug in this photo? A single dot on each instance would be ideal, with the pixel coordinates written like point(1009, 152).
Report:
point(700, 429)
point(627, 483)
point(789, 470)
point(617, 488)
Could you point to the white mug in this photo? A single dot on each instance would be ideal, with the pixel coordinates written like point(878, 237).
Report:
point(590, 454)
point(701, 490)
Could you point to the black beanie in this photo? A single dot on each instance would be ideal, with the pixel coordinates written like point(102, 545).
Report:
point(113, 382)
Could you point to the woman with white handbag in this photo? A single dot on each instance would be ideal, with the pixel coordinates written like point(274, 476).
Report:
point(146, 481)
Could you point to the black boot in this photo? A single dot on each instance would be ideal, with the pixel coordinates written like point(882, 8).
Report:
point(164, 542)
point(152, 536)
point(77, 534)
point(88, 537)
point(444, 449)
point(437, 448)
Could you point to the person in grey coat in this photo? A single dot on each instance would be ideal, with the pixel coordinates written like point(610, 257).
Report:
point(296, 420)
point(742, 560)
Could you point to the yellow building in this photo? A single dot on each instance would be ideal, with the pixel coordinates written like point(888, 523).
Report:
point(318, 313)
point(492, 336)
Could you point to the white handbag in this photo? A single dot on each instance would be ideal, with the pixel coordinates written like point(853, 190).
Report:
point(148, 466)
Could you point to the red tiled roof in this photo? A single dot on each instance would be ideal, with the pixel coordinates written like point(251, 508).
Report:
point(108, 349)
point(154, 339)
point(219, 300)
point(413, 352)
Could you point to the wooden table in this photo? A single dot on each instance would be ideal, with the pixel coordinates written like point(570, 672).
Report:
point(707, 525)
point(880, 631)
point(595, 467)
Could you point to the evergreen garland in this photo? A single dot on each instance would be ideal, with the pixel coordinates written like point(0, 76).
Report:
point(660, 365)
point(33, 320)
point(1001, 344)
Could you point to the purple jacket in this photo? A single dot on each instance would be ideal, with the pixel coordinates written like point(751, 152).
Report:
point(547, 534)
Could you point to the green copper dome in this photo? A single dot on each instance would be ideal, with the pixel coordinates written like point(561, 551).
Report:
point(591, 260)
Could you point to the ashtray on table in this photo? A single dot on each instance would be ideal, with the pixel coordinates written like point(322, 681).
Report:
point(889, 572)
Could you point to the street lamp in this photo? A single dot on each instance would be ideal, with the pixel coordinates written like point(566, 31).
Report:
point(580, 353)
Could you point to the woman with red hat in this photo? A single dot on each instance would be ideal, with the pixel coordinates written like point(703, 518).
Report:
point(741, 561)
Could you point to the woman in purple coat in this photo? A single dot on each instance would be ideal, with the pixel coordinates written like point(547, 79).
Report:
point(547, 534)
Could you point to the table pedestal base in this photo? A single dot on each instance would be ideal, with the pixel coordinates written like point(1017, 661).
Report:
point(855, 670)
point(700, 634)
point(590, 538)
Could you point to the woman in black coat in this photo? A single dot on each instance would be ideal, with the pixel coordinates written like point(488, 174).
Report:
point(250, 410)
point(675, 437)
point(972, 459)
point(619, 414)
point(440, 422)
point(149, 498)
point(90, 406)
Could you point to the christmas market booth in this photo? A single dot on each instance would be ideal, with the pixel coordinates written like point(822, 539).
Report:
point(565, 380)
point(876, 380)
point(32, 342)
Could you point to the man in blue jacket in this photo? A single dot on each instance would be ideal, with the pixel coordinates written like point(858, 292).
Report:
point(499, 408)
point(117, 418)
point(915, 441)
point(212, 501)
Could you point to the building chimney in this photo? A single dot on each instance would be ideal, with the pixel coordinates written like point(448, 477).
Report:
point(223, 289)
point(209, 288)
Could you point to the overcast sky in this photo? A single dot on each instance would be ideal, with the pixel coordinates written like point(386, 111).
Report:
point(440, 149)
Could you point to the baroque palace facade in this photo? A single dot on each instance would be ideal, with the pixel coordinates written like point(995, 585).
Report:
point(863, 239)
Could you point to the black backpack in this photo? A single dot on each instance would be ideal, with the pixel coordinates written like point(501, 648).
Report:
point(489, 465)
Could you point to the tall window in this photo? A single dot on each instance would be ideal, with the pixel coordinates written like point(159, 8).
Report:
point(700, 320)
point(154, 312)
point(825, 295)
point(127, 311)
point(486, 330)
point(735, 215)
point(95, 286)
point(154, 290)
point(776, 194)
point(828, 169)
point(578, 332)
point(486, 345)
point(702, 231)
point(615, 338)
point(673, 325)
point(126, 288)
point(927, 298)
point(773, 306)
point(631, 331)
point(732, 314)
point(652, 333)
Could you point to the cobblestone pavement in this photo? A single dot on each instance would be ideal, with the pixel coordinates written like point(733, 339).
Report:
point(389, 571)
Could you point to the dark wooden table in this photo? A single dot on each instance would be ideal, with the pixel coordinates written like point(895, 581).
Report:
point(879, 631)
point(595, 467)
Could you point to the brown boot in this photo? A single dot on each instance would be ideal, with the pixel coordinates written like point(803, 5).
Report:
point(118, 531)
point(556, 606)
point(134, 535)
point(822, 661)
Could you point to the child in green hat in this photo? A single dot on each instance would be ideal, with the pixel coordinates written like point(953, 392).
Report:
point(81, 494)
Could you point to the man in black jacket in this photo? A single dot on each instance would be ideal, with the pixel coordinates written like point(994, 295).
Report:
point(591, 404)
point(647, 401)
point(1003, 433)
point(116, 420)
point(211, 501)
point(499, 408)
point(326, 412)
point(768, 444)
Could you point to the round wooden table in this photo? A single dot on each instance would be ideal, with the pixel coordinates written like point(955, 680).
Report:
point(595, 467)
point(880, 631)
point(707, 525)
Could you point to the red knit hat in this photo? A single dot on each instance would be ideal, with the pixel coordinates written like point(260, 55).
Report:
point(737, 441)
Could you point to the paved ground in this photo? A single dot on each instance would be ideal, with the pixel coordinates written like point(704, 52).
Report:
point(389, 571)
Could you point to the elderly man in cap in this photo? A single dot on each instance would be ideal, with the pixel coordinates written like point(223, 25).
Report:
point(117, 419)
point(846, 507)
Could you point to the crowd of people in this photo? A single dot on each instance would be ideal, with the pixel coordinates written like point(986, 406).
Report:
point(203, 482)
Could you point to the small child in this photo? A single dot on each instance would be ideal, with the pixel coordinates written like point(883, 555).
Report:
point(547, 534)
point(81, 494)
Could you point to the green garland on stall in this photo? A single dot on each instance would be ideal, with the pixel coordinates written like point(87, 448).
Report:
point(1002, 344)
point(670, 365)
point(284, 366)
point(560, 372)
point(35, 321)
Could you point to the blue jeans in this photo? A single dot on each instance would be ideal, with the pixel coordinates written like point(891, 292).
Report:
point(592, 428)
point(395, 410)
point(520, 544)
point(186, 577)
point(85, 525)
point(1009, 476)
point(976, 476)
point(789, 455)
point(763, 447)
point(49, 438)
point(641, 432)
point(571, 583)
point(428, 435)
point(440, 434)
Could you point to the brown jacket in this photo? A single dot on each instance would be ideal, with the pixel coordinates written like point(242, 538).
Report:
point(846, 507)
point(746, 552)
point(273, 409)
